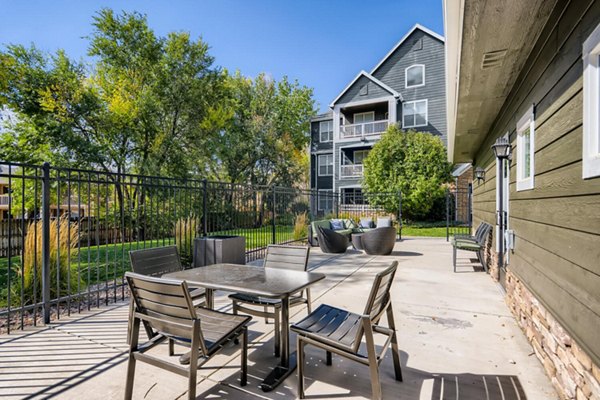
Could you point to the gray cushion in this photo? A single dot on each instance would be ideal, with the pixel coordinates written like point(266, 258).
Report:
point(337, 224)
point(366, 223)
point(384, 222)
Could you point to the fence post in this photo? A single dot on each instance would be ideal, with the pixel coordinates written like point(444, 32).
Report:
point(204, 207)
point(447, 215)
point(273, 226)
point(337, 199)
point(400, 213)
point(46, 242)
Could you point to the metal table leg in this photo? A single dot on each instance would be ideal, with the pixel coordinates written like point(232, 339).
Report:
point(210, 298)
point(288, 361)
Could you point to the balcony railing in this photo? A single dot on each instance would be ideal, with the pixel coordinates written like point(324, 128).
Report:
point(351, 171)
point(365, 129)
point(3, 199)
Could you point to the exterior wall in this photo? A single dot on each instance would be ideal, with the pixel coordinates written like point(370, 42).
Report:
point(318, 182)
point(374, 91)
point(392, 73)
point(553, 273)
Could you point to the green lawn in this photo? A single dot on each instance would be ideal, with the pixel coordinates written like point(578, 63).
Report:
point(112, 260)
point(428, 231)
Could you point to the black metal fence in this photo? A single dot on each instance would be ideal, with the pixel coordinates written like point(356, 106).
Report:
point(65, 234)
point(459, 212)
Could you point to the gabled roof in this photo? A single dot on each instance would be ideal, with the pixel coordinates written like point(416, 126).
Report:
point(372, 79)
point(414, 28)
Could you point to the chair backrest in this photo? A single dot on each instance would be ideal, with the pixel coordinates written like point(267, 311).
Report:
point(155, 261)
point(165, 302)
point(479, 229)
point(379, 298)
point(287, 257)
point(484, 233)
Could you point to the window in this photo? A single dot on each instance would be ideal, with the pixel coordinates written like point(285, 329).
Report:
point(414, 76)
point(325, 162)
point(325, 202)
point(360, 155)
point(591, 105)
point(361, 118)
point(526, 151)
point(326, 131)
point(414, 113)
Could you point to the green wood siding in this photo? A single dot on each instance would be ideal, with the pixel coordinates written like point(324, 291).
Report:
point(557, 224)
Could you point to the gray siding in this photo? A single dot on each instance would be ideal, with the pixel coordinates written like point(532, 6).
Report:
point(374, 91)
point(391, 72)
point(557, 224)
point(318, 182)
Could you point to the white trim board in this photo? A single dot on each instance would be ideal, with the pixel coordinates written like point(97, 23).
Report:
point(414, 28)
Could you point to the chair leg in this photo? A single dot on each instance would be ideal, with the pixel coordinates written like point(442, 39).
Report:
point(454, 257)
point(277, 332)
point(193, 371)
point(244, 375)
point(236, 340)
point(394, 342)
point(481, 257)
point(266, 309)
point(130, 320)
point(372, 357)
point(171, 347)
point(308, 301)
point(328, 360)
point(133, 344)
point(300, 355)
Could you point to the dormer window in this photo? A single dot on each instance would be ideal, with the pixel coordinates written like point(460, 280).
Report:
point(415, 76)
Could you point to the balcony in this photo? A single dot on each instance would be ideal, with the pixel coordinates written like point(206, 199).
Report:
point(4, 199)
point(351, 171)
point(364, 129)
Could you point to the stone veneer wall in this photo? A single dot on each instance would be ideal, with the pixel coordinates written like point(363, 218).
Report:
point(573, 373)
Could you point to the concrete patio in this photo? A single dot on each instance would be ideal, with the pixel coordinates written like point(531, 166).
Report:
point(457, 338)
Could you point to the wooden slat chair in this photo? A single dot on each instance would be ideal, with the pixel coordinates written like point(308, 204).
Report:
point(155, 262)
point(167, 307)
point(341, 332)
point(477, 246)
point(284, 257)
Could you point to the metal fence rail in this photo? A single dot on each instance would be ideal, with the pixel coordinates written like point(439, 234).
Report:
point(65, 234)
point(459, 213)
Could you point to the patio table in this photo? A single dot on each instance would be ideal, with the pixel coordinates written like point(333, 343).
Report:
point(265, 282)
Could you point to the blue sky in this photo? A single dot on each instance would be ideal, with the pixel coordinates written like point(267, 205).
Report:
point(323, 44)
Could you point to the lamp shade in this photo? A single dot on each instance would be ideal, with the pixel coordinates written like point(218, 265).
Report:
point(501, 148)
point(479, 173)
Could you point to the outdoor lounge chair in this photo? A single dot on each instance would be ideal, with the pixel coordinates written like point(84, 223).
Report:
point(332, 242)
point(286, 257)
point(379, 241)
point(477, 245)
point(341, 332)
point(166, 306)
point(155, 262)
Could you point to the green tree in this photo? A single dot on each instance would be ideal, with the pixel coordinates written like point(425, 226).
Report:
point(414, 163)
point(265, 138)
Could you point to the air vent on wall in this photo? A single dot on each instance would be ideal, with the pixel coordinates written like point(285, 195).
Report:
point(493, 59)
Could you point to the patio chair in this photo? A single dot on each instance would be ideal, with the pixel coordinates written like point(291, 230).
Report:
point(341, 332)
point(332, 242)
point(476, 246)
point(285, 257)
point(167, 307)
point(379, 241)
point(155, 262)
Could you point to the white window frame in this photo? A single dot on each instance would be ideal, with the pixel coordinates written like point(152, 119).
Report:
point(327, 165)
point(328, 199)
point(329, 132)
point(366, 152)
point(426, 113)
point(363, 113)
point(591, 105)
point(527, 121)
point(406, 76)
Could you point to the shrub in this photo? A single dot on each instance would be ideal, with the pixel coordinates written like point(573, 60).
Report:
point(62, 242)
point(185, 232)
point(301, 226)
